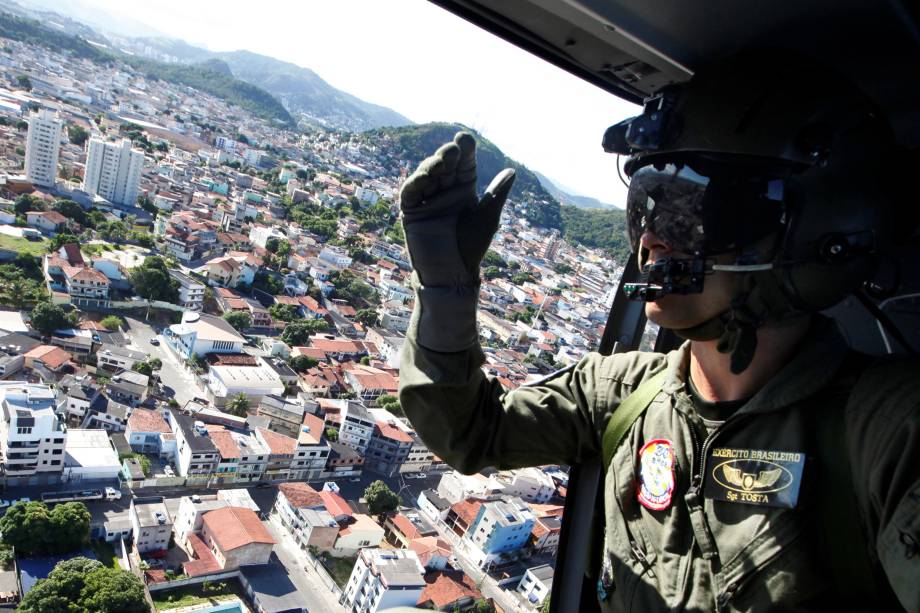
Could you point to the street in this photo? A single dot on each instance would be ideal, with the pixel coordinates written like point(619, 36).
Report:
point(176, 379)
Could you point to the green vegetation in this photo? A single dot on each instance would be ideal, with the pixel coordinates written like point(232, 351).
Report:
point(391, 404)
point(298, 333)
point(192, 595)
point(301, 363)
point(339, 568)
point(283, 312)
point(81, 584)
point(20, 245)
point(112, 322)
point(604, 229)
point(380, 498)
point(152, 281)
point(332, 434)
point(47, 317)
point(21, 282)
point(240, 320)
point(77, 134)
point(143, 460)
point(368, 317)
point(32, 528)
point(353, 290)
point(105, 553)
point(32, 32)
point(7, 556)
point(238, 405)
point(268, 282)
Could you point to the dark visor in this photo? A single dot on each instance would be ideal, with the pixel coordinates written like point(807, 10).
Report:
point(698, 212)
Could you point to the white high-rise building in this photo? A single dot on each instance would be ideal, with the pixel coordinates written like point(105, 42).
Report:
point(113, 170)
point(42, 147)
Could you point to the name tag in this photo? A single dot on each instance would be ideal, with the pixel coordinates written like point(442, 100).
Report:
point(754, 476)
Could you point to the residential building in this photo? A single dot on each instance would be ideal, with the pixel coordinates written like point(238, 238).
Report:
point(435, 507)
point(49, 222)
point(43, 144)
point(190, 516)
point(129, 387)
point(113, 170)
point(455, 486)
point(75, 395)
point(499, 531)
point(370, 383)
point(107, 414)
point(250, 376)
point(200, 333)
point(362, 532)
point(530, 484)
point(449, 591)
point(11, 362)
point(31, 435)
point(303, 512)
point(146, 431)
point(406, 526)
point(384, 578)
point(357, 426)
point(151, 523)
point(536, 584)
point(285, 415)
point(118, 357)
point(388, 448)
point(281, 451)
point(313, 452)
point(87, 287)
point(191, 291)
point(89, 455)
point(236, 537)
point(196, 453)
point(420, 458)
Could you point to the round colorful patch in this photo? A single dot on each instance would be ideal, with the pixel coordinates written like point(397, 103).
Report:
point(656, 474)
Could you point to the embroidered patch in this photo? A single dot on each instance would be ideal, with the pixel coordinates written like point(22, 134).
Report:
point(755, 476)
point(656, 474)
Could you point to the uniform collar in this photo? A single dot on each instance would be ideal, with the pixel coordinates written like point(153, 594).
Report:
point(820, 355)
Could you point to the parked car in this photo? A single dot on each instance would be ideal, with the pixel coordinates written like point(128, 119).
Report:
point(154, 341)
point(355, 480)
point(4, 504)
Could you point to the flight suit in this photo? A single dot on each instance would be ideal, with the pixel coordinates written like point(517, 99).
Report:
point(726, 519)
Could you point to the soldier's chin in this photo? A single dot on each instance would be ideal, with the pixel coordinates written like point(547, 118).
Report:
point(671, 312)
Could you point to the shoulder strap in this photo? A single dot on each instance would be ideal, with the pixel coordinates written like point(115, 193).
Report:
point(842, 539)
point(625, 415)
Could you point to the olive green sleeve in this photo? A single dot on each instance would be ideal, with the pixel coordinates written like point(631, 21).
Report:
point(884, 436)
point(471, 421)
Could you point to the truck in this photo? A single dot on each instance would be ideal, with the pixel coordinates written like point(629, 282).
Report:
point(109, 493)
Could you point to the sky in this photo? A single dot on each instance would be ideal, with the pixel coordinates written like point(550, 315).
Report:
point(422, 62)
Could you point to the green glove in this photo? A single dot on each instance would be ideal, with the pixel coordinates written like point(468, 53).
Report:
point(448, 231)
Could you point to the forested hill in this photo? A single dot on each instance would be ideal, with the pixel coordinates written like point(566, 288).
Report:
point(210, 79)
point(604, 229)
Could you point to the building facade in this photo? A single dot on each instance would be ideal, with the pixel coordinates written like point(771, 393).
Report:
point(43, 146)
point(113, 170)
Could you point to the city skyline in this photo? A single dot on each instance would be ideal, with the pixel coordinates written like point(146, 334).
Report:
point(537, 114)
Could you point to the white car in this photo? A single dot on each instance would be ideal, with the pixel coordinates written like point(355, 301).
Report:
point(24, 499)
point(4, 504)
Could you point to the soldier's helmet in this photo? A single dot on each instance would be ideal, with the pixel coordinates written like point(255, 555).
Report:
point(773, 158)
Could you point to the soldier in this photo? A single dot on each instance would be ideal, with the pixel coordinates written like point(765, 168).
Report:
point(758, 196)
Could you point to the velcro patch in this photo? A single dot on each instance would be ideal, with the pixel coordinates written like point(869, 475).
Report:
point(754, 476)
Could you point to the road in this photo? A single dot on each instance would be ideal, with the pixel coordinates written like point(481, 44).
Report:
point(179, 382)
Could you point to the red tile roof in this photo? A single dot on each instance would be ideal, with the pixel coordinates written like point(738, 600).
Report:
point(335, 504)
point(316, 426)
point(224, 442)
point(301, 495)
point(205, 562)
point(50, 356)
point(467, 510)
point(278, 444)
point(443, 589)
point(143, 420)
point(406, 526)
point(234, 527)
point(393, 432)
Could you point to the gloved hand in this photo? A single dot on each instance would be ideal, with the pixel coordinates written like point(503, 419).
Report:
point(448, 231)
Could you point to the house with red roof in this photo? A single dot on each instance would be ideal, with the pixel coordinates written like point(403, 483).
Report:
point(449, 591)
point(236, 537)
point(50, 222)
point(388, 448)
point(303, 512)
point(369, 383)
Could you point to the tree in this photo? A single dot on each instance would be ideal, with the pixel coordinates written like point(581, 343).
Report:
point(238, 405)
point(283, 250)
point(301, 363)
point(112, 322)
point(71, 210)
point(152, 281)
point(25, 526)
point(238, 319)
point(380, 498)
point(81, 584)
point(143, 367)
point(47, 317)
point(24, 82)
point(155, 363)
point(60, 240)
point(145, 203)
point(297, 333)
point(77, 134)
point(368, 317)
point(283, 312)
point(70, 526)
point(332, 434)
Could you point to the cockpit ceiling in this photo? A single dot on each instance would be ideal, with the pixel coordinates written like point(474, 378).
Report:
point(633, 47)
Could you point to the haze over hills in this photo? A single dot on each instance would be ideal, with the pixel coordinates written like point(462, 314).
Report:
point(564, 196)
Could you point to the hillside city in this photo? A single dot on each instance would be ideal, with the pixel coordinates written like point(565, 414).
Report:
point(202, 316)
